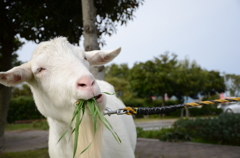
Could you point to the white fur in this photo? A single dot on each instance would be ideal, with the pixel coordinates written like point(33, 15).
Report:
point(55, 75)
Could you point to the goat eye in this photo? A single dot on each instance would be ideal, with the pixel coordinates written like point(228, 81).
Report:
point(40, 69)
point(85, 58)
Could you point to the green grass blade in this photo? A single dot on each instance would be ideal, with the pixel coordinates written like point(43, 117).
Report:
point(63, 135)
point(109, 93)
point(96, 116)
point(86, 148)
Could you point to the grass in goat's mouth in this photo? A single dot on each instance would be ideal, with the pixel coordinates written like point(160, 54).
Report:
point(96, 115)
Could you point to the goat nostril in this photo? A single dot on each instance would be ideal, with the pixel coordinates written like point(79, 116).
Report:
point(93, 83)
point(82, 85)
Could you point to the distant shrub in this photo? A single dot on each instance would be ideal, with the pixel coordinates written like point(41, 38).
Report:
point(42, 125)
point(140, 102)
point(206, 110)
point(194, 111)
point(23, 108)
point(224, 129)
point(135, 102)
point(164, 134)
point(147, 134)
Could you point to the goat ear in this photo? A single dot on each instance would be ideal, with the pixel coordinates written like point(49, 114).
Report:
point(101, 57)
point(16, 75)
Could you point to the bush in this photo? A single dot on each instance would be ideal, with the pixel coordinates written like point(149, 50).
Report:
point(147, 134)
point(23, 108)
point(203, 111)
point(158, 103)
point(135, 102)
point(164, 134)
point(42, 125)
point(194, 111)
point(175, 135)
point(224, 129)
point(139, 102)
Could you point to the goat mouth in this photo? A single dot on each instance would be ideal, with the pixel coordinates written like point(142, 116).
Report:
point(98, 96)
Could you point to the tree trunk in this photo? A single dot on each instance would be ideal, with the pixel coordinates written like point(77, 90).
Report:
point(91, 34)
point(5, 96)
point(5, 92)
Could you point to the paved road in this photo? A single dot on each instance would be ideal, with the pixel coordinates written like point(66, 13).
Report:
point(146, 148)
point(155, 125)
point(25, 140)
point(152, 148)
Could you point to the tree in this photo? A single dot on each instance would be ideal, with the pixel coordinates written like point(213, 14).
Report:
point(117, 75)
point(40, 20)
point(214, 84)
point(119, 71)
point(7, 60)
point(91, 34)
point(154, 77)
point(24, 90)
point(189, 80)
point(167, 66)
point(141, 79)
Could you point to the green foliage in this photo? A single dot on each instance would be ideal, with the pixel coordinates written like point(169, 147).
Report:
point(154, 77)
point(35, 125)
point(224, 129)
point(189, 79)
point(164, 134)
point(148, 134)
point(40, 20)
point(214, 84)
point(207, 110)
point(211, 97)
point(140, 102)
point(136, 102)
point(121, 87)
point(194, 111)
point(13, 127)
point(41, 125)
point(119, 71)
point(164, 74)
point(158, 102)
point(23, 108)
point(24, 90)
point(117, 75)
point(175, 135)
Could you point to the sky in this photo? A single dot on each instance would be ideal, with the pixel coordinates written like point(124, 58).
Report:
point(207, 31)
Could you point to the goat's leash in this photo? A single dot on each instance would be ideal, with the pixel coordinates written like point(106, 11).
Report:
point(165, 109)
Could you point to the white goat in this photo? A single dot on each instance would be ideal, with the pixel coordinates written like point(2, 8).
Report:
point(58, 75)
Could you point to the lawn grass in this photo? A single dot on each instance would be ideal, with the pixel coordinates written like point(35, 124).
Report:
point(38, 153)
point(14, 127)
point(36, 125)
point(199, 140)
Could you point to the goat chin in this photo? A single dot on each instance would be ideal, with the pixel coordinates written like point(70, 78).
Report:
point(87, 137)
